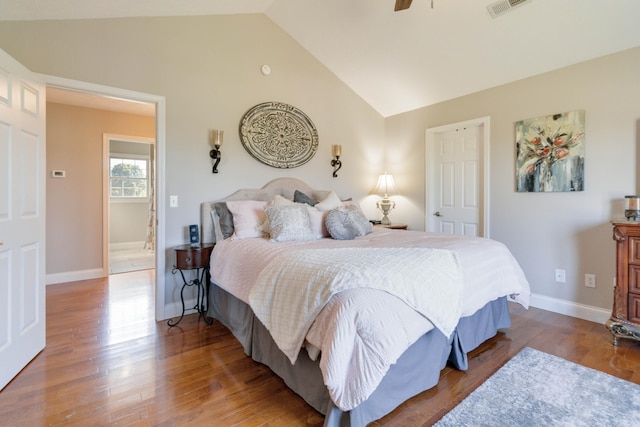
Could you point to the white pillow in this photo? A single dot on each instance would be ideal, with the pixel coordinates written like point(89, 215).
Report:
point(318, 226)
point(279, 200)
point(289, 223)
point(248, 218)
point(332, 201)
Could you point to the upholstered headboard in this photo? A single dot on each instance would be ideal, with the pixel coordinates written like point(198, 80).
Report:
point(282, 186)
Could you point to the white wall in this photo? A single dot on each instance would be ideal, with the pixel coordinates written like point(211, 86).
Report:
point(208, 69)
point(128, 222)
point(545, 231)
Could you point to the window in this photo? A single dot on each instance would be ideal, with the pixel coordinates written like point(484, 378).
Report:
point(128, 177)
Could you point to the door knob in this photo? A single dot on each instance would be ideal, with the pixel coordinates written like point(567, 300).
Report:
point(437, 213)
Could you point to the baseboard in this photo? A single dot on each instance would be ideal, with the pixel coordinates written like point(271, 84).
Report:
point(126, 246)
point(570, 308)
point(174, 309)
point(74, 276)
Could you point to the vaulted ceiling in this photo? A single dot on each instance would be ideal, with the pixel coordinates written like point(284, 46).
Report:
point(399, 61)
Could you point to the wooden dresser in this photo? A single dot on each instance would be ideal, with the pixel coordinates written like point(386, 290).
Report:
point(625, 318)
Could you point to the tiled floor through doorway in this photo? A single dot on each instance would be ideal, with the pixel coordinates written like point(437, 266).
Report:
point(130, 259)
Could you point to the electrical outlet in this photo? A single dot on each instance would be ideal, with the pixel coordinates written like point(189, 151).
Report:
point(173, 201)
point(560, 276)
point(590, 280)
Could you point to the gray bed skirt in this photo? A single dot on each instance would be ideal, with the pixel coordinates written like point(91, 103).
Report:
point(417, 370)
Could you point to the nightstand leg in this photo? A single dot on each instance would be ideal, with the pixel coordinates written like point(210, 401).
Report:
point(184, 285)
point(201, 303)
point(202, 309)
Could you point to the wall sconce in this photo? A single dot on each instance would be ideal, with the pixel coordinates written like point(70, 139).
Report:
point(216, 140)
point(386, 187)
point(336, 151)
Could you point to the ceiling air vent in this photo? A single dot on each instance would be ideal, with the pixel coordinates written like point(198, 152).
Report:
point(503, 6)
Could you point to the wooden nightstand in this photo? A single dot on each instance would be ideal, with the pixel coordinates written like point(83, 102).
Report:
point(393, 226)
point(194, 257)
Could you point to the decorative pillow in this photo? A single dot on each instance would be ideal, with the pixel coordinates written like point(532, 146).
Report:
point(248, 218)
point(347, 223)
point(300, 197)
point(225, 219)
point(332, 201)
point(318, 226)
point(289, 223)
point(217, 234)
point(338, 225)
point(360, 224)
point(353, 205)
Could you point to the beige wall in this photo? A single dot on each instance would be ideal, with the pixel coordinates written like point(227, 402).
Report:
point(545, 231)
point(74, 203)
point(208, 69)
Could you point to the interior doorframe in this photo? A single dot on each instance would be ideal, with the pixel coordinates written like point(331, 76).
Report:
point(160, 104)
point(430, 136)
point(106, 199)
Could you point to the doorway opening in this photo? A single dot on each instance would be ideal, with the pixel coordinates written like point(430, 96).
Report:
point(129, 187)
point(107, 97)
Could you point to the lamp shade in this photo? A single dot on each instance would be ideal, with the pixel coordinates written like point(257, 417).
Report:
point(386, 185)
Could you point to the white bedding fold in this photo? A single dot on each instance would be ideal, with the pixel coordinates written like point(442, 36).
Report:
point(290, 292)
point(362, 332)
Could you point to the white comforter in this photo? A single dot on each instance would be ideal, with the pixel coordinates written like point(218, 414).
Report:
point(426, 279)
point(362, 332)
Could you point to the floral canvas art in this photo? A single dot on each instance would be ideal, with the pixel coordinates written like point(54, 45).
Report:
point(550, 153)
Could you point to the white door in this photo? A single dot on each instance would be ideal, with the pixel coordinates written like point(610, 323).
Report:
point(455, 179)
point(22, 217)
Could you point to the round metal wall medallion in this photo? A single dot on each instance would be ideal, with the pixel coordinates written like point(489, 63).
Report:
point(278, 135)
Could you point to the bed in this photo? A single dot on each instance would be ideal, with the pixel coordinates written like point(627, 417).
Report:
point(357, 344)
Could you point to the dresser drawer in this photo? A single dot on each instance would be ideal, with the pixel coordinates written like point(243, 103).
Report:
point(634, 308)
point(634, 250)
point(634, 278)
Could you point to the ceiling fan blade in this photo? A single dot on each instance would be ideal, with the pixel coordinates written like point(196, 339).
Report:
point(402, 5)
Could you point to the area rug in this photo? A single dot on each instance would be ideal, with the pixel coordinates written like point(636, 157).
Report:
point(538, 389)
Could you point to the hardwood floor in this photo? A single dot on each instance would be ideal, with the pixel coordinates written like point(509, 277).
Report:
point(107, 362)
